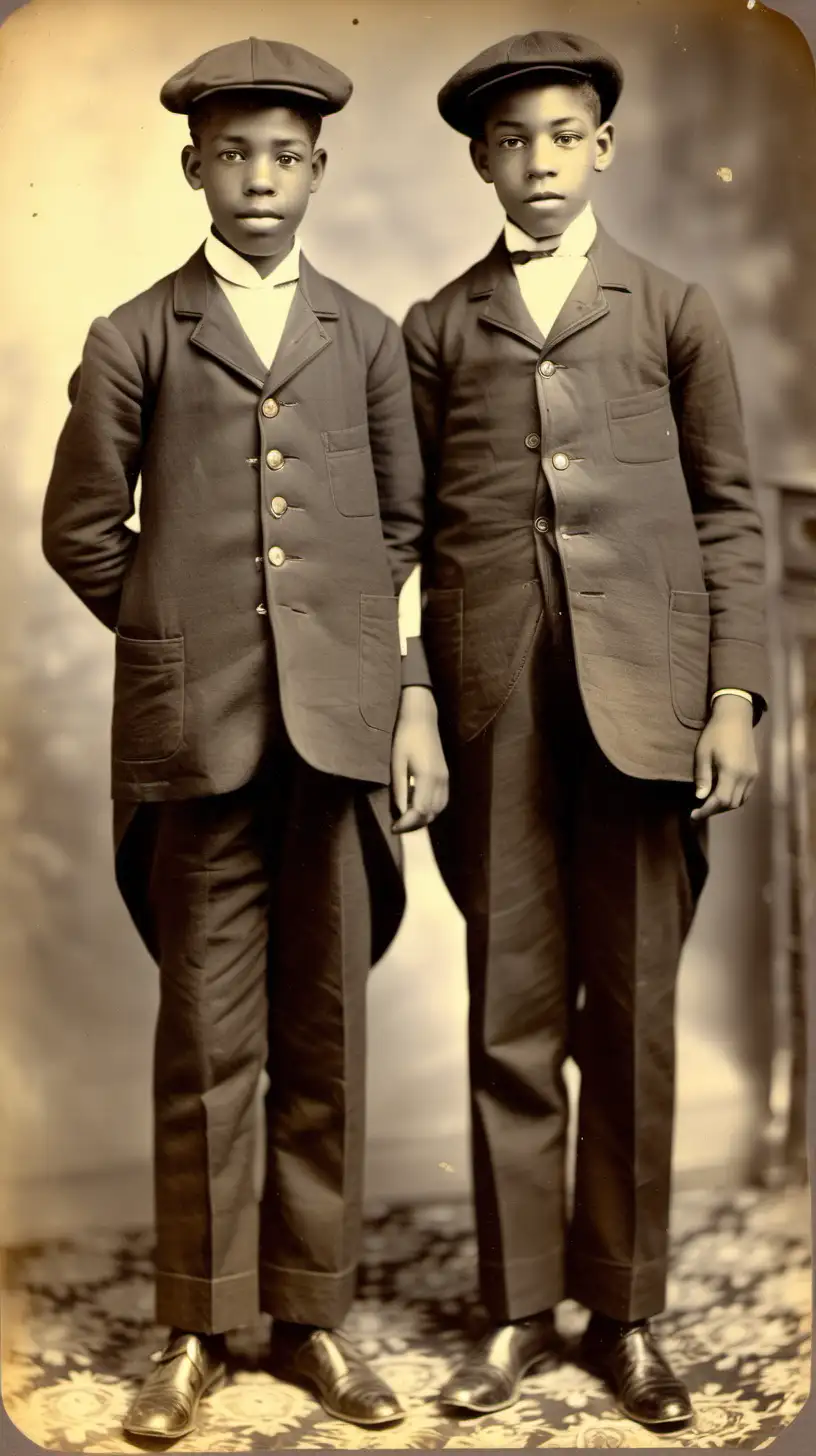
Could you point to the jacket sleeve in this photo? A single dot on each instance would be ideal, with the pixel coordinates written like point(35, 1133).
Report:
point(398, 469)
point(706, 405)
point(90, 494)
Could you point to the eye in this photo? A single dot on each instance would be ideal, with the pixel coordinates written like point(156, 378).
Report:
point(511, 144)
point(231, 155)
point(569, 138)
point(288, 159)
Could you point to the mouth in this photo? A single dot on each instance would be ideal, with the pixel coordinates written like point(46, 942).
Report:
point(544, 197)
point(259, 215)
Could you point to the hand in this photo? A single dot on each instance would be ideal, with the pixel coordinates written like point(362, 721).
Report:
point(419, 774)
point(726, 765)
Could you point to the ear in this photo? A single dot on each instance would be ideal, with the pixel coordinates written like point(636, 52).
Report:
point(191, 166)
point(319, 160)
point(604, 146)
point(480, 158)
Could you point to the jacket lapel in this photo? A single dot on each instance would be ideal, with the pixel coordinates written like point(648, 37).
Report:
point(495, 284)
point(609, 267)
point(218, 332)
point(304, 336)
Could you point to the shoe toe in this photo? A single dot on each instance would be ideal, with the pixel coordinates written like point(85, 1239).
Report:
point(160, 1423)
point(675, 1408)
point(477, 1392)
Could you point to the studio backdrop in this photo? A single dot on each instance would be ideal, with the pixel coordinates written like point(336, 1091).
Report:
point(706, 182)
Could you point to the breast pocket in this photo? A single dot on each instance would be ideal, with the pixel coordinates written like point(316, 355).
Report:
point(642, 428)
point(148, 699)
point(351, 471)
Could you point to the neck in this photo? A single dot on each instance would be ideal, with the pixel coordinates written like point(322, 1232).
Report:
point(262, 265)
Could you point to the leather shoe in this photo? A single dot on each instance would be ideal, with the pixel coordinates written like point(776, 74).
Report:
point(189, 1367)
point(628, 1358)
point(345, 1385)
point(491, 1375)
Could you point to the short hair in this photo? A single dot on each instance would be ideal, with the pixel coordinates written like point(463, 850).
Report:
point(583, 87)
point(252, 97)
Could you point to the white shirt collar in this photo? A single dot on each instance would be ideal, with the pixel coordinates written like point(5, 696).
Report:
point(230, 266)
point(576, 239)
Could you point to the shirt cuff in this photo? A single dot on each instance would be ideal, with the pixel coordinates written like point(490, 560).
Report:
point(757, 703)
point(415, 672)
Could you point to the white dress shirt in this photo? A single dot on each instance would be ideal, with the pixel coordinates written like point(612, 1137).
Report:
point(546, 283)
point(261, 305)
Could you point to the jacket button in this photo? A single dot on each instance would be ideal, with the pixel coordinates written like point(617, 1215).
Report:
point(546, 368)
point(532, 441)
point(560, 460)
point(279, 506)
point(270, 408)
point(274, 460)
point(542, 525)
point(277, 555)
point(261, 610)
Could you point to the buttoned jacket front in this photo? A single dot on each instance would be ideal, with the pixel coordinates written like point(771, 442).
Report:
point(280, 513)
point(618, 442)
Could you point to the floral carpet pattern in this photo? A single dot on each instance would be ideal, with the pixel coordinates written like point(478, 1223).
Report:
point(78, 1336)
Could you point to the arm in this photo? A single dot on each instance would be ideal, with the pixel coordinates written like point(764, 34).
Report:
point(707, 409)
point(90, 492)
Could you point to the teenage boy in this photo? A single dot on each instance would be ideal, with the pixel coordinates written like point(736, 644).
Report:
point(258, 683)
point(594, 627)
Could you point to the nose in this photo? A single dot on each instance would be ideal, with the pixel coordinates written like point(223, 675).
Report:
point(543, 158)
point(260, 180)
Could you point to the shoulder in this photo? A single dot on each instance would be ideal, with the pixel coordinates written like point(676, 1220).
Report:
point(146, 306)
point(454, 294)
point(437, 321)
point(326, 295)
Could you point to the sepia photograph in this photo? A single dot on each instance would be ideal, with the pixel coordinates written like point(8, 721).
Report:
point(408, 725)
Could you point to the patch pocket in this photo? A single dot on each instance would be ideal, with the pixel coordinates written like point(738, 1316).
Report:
point(642, 429)
point(380, 663)
point(351, 470)
point(148, 699)
point(689, 651)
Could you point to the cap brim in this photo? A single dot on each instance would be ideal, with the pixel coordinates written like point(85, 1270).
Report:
point(464, 112)
point(321, 103)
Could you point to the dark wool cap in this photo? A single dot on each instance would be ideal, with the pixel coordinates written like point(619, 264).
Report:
point(258, 65)
point(548, 53)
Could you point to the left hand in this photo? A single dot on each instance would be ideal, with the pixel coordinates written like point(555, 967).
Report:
point(726, 764)
point(419, 774)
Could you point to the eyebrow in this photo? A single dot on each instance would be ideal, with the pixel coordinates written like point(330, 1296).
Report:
point(556, 121)
point(222, 136)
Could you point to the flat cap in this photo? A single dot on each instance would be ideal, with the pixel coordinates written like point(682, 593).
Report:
point(552, 53)
point(258, 65)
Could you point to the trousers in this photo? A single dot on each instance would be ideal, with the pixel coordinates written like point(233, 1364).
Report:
point(260, 905)
point(578, 885)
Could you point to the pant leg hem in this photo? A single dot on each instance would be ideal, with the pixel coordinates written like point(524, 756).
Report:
point(619, 1291)
point(521, 1287)
point(206, 1306)
point(307, 1297)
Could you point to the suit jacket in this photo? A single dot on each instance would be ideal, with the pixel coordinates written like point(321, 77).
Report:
point(281, 512)
point(620, 434)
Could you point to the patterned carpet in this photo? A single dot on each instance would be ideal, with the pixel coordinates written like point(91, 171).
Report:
point(78, 1333)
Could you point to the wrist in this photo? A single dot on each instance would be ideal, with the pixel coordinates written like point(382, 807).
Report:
point(417, 698)
point(730, 706)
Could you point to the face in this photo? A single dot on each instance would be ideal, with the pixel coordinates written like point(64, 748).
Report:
point(257, 167)
point(540, 150)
